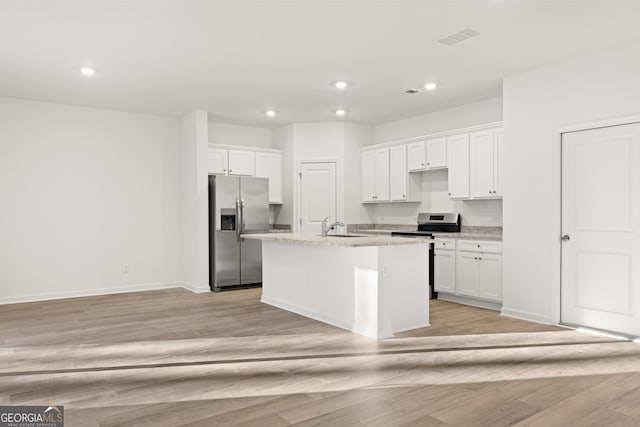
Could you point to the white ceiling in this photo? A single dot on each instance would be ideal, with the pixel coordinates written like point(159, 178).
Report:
point(235, 59)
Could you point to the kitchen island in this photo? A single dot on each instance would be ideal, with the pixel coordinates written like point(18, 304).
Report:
point(371, 285)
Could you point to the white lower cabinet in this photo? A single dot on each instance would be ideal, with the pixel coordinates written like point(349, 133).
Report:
point(490, 276)
point(479, 269)
point(445, 265)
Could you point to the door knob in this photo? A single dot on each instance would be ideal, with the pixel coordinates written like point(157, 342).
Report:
point(565, 238)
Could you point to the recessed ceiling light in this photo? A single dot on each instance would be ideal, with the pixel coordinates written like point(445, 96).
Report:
point(88, 71)
point(341, 84)
point(430, 86)
point(341, 112)
point(270, 113)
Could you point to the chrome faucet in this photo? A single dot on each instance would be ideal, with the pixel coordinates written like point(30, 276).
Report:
point(326, 228)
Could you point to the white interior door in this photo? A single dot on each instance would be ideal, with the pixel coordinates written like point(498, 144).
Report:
point(318, 195)
point(601, 237)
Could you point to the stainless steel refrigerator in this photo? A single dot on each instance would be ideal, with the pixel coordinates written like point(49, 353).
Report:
point(237, 204)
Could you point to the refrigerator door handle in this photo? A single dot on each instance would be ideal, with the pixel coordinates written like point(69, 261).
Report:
point(239, 218)
point(242, 216)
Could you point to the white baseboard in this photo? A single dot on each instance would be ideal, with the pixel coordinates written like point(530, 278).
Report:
point(194, 288)
point(525, 315)
point(103, 291)
point(89, 292)
point(460, 299)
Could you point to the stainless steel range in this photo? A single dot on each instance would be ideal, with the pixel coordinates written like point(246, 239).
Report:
point(429, 223)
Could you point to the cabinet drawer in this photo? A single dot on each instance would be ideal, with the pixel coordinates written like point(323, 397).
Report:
point(488, 246)
point(444, 244)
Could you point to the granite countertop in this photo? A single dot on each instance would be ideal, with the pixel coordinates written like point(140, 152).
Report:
point(469, 236)
point(314, 239)
point(468, 233)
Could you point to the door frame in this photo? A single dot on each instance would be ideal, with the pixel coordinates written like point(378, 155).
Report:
point(556, 232)
point(297, 198)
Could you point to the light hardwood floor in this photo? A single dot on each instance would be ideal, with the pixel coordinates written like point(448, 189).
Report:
point(175, 358)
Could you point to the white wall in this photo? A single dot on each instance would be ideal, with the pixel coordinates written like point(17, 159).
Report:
point(194, 218)
point(477, 113)
point(536, 105)
point(283, 139)
point(319, 140)
point(85, 192)
point(355, 136)
point(435, 197)
point(248, 136)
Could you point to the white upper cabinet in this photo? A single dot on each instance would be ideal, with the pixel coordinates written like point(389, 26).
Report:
point(398, 173)
point(458, 154)
point(369, 176)
point(436, 153)
point(269, 165)
point(385, 177)
point(217, 161)
point(375, 175)
point(416, 156)
point(382, 175)
point(242, 162)
point(485, 165)
point(427, 155)
point(473, 157)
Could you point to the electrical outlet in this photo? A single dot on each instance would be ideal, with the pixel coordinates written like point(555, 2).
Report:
point(125, 269)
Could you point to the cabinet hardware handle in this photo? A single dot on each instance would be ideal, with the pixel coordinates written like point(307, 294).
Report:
point(230, 170)
point(449, 193)
point(404, 197)
point(475, 257)
point(428, 163)
point(224, 170)
point(479, 259)
point(478, 245)
point(565, 238)
point(421, 164)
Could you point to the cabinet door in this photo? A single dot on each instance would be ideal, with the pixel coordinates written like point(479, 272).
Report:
point(458, 149)
point(269, 165)
point(242, 162)
point(217, 161)
point(382, 175)
point(416, 160)
point(369, 176)
point(481, 164)
point(398, 173)
point(490, 276)
point(467, 273)
point(445, 271)
point(437, 153)
point(498, 162)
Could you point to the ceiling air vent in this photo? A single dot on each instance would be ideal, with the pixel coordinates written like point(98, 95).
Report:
point(458, 37)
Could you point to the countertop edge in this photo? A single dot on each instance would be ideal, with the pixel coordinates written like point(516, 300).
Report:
point(353, 242)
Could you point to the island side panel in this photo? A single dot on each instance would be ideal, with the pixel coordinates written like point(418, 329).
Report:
point(403, 287)
point(332, 284)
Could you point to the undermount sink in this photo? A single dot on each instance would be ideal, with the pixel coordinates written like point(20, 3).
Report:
point(343, 235)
